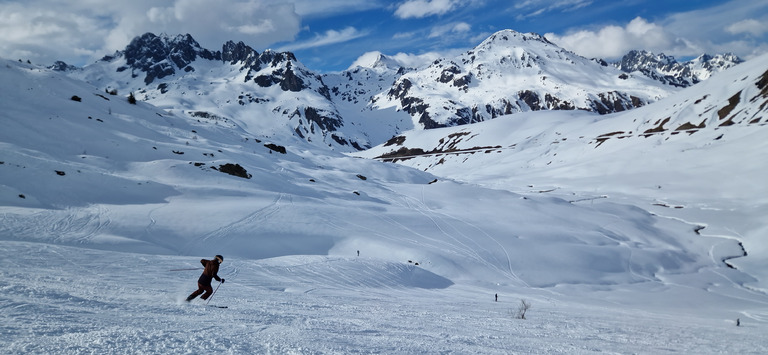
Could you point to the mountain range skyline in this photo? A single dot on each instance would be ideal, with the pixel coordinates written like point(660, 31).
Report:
point(508, 72)
point(330, 36)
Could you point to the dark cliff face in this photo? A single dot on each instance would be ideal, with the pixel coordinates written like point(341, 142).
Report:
point(62, 66)
point(161, 56)
point(238, 53)
point(158, 57)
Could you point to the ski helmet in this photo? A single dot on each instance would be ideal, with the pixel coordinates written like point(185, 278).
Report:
point(221, 258)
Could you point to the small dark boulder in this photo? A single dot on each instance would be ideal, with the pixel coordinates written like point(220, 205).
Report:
point(278, 148)
point(235, 170)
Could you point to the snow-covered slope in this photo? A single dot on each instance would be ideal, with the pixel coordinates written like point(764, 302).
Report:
point(697, 156)
point(101, 171)
point(100, 198)
point(514, 72)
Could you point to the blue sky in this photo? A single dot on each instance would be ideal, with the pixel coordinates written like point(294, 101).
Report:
point(330, 35)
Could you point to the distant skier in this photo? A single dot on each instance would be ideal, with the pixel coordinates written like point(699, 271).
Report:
point(497, 297)
point(209, 273)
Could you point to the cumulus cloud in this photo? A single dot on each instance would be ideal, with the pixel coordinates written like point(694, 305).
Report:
point(457, 27)
point(411, 60)
point(212, 22)
point(30, 32)
point(751, 26)
point(614, 41)
point(425, 8)
point(80, 31)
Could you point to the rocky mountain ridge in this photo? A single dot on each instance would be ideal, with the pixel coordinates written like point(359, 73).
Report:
point(668, 70)
point(514, 72)
point(273, 93)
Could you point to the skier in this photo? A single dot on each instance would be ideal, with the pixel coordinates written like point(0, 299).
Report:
point(204, 282)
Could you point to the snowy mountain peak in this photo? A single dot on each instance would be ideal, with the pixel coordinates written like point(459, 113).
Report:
point(706, 65)
point(667, 70)
point(514, 72)
point(160, 56)
point(62, 66)
point(511, 48)
point(376, 60)
point(238, 53)
point(511, 38)
point(639, 59)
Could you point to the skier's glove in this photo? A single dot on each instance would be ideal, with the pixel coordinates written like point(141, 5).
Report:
point(222, 280)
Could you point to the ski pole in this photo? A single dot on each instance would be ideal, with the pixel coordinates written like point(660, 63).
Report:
point(214, 292)
point(193, 268)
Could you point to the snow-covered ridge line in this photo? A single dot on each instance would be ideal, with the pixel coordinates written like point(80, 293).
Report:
point(669, 71)
point(353, 110)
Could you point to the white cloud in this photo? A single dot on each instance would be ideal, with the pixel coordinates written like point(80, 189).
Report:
point(751, 26)
point(81, 31)
point(457, 27)
point(424, 8)
point(722, 28)
point(327, 38)
point(404, 35)
point(532, 8)
point(736, 26)
point(328, 7)
point(29, 33)
point(213, 22)
point(614, 41)
point(416, 60)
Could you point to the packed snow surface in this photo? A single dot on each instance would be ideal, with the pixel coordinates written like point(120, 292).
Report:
point(103, 202)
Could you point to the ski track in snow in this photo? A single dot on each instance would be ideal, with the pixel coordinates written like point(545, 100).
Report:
point(437, 218)
point(220, 235)
point(54, 301)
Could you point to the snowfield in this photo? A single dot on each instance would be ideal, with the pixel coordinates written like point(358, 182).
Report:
point(60, 299)
point(633, 242)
